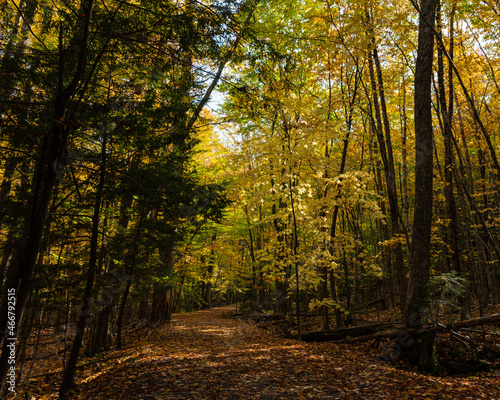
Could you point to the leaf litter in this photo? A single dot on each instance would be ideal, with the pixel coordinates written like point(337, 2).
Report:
point(208, 355)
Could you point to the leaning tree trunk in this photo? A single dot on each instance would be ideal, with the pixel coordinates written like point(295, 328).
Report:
point(421, 350)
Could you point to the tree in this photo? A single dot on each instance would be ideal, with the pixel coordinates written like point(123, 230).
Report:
point(134, 52)
point(47, 171)
point(422, 349)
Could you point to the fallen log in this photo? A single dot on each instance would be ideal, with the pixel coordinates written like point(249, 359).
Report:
point(342, 333)
point(259, 317)
point(483, 332)
point(489, 320)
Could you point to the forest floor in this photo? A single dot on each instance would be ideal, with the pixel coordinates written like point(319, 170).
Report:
point(209, 355)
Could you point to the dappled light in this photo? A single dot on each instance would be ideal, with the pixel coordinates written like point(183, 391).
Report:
point(195, 357)
point(249, 199)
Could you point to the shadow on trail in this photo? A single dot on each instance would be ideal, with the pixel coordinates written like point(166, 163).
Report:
point(205, 356)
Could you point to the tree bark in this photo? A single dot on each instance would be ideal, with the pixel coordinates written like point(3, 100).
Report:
point(422, 351)
point(86, 304)
point(382, 129)
point(447, 113)
point(207, 284)
point(48, 170)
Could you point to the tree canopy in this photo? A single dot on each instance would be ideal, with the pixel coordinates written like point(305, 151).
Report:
point(350, 159)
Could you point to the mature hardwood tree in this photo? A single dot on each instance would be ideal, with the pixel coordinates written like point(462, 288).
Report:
point(78, 49)
point(422, 349)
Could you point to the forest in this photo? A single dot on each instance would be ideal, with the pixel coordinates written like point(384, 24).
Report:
point(329, 166)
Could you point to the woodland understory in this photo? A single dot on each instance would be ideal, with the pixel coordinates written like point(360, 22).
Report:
point(330, 166)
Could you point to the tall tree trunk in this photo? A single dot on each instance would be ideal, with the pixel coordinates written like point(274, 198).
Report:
point(349, 108)
point(162, 306)
point(280, 227)
point(447, 114)
point(421, 351)
point(101, 333)
point(87, 300)
point(129, 270)
point(207, 292)
point(382, 129)
point(48, 170)
point(255, 287)
point(123, 221)
point(382, 228)
point(295, 248)
point(404, 155)
point(449, 159)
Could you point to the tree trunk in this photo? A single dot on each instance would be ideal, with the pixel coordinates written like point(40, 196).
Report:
point(129, 271)
point(421, 351)
point(48, 170)
point(121, 313)
point(87, 301)
point(492, 320)
point(385, 146)
point(101, 335)
point(161, 309)
point(207, 287)
point(328, 272)
point(449, 159)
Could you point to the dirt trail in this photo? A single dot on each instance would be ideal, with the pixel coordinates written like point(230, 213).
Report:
point(205, 355)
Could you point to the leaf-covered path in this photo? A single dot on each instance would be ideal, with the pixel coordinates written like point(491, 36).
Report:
point(205, 355)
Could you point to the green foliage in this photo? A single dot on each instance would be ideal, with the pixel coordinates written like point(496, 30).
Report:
point(445, 292)
point(294, 191)
point(329, 304)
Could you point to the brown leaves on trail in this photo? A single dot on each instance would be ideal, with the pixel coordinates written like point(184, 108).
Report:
point(206, 355)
